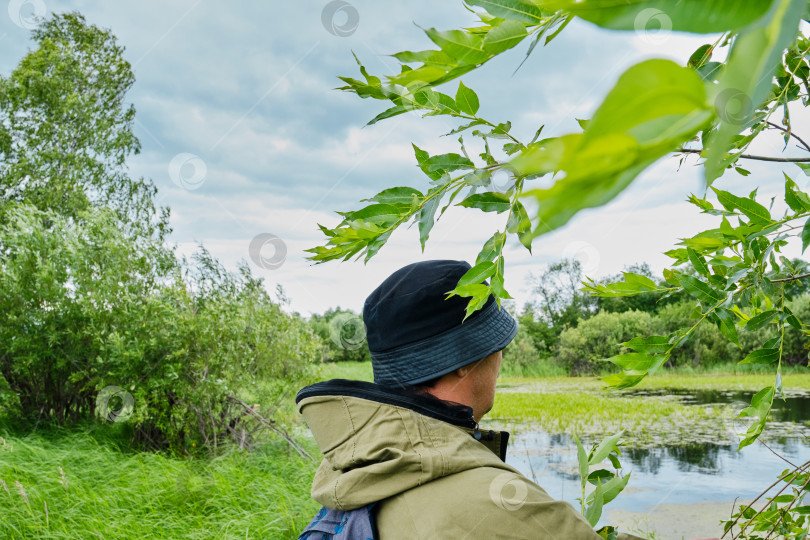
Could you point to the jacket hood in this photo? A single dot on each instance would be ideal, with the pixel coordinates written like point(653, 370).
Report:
point(378, 442)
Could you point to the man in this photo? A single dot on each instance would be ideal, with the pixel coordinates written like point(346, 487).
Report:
point(404, 457)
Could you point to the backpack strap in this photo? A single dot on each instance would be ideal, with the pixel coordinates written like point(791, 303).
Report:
point(329, 524)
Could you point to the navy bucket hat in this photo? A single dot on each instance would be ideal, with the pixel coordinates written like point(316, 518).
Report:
point(414, 334)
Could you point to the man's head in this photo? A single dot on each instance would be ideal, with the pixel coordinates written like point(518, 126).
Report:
point(416, 334)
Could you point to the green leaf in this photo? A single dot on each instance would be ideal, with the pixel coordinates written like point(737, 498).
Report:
point(611, 488)
point(463, 46)
point(649, 345)
point(698, 16)
point(377, 213)
point(758, 321)
point(620, 381)
point(638, 363)
point(797, 200)
point(520, 224)
point(727, 325)
point(492, 247)
point(445, 163)
point(700, 290)
point(466, 99)
point(752, 209)
point(582, 459)
point(594, 511)
point(604, 448)
point(514, 10)
point(805, 235)
point(700, 56)
point(397, 196)
point(426, 218)
point(761, 356)
point(698, 262)
point(634, 284)
point(760, 407)
point(477, 273)
point(601, 475)
point(640, 279)
point(703, 204)
point(747, 78)
point(489, 201)
point(504, 36)
point(438, 102)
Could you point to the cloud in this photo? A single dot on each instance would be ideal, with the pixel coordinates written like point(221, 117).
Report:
point(249, 89)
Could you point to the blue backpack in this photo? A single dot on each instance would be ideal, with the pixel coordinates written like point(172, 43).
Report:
point(329, 524)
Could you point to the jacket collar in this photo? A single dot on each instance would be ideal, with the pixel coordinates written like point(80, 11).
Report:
point(453, 413)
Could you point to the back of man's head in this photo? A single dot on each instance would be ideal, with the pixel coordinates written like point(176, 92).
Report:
point(416, 334)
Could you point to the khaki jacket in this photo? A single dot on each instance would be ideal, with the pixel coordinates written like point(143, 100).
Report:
point(421, 460)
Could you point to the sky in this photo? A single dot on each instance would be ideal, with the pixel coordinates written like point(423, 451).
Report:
point(251, 145)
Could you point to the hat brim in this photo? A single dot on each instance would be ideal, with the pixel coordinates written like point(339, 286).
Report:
point(491, 330)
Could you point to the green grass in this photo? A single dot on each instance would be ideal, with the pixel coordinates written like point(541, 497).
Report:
point(112, 492)
point(109, 493)
point(356, 371)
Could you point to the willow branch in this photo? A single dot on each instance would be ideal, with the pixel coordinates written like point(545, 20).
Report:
point(794, 278)
point(748, 156)
point(786, 130)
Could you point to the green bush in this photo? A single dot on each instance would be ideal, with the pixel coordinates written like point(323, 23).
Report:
point(520, 354)
point(343, 335)
point(709, 347)
point(89, 308)
point(580, 349)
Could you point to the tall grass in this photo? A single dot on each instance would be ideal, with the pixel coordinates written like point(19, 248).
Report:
point(83, 484)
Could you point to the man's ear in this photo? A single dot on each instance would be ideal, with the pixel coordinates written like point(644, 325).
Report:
point(463, 371)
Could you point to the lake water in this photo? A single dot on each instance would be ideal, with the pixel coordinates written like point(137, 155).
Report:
point(693, 474)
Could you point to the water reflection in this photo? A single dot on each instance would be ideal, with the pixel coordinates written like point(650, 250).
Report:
point(703, 458)
point(793, 408)
point(690, 472)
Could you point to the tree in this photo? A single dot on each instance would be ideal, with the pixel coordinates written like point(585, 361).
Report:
point(559, 300)
point(100, 316)
point(715, 105)
point(66, 130)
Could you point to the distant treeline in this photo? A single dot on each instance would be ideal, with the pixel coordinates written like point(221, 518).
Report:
point(562, 330)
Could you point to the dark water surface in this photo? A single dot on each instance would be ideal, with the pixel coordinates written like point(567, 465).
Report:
point(689, 473)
